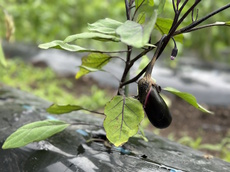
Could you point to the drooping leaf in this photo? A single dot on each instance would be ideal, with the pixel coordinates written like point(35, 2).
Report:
point(92, 35)
point(123, 116)
point(148, 27)
point(92, 62)
point(2, 57)
point(161, 6)
point(61, 109)
point(135, 34)
point(164, 25)
point(34, 132)
point(106, 26)
point(188, 98)
point(64, 46)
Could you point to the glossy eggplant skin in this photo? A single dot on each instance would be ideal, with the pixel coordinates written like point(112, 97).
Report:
point(154, 106)
point(157, 110)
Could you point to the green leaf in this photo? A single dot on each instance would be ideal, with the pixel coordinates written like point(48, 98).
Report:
point(131, 34)
point(92, 35)
point(141, 18)
point(188, 98)
point(106, 26)
point(123, 116)
point(61, 109)
point(161, 6)
point(134, 34)
point(91, 63)
point(34, 132)
point(164, 25)
point(140, 2)
point(64, 46)
point(2, 57)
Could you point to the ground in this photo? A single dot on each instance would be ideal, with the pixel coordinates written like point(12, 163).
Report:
point(189, 125)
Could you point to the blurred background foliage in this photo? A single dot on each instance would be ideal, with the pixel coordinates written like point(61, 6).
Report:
point(39, 21)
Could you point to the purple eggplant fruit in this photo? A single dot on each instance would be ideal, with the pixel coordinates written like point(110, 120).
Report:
point(154, 106)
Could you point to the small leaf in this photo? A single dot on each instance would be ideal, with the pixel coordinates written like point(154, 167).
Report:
point(64, 46)
point(61, 109)
point(34, 132)
point(134, 34)
point(123, 116)
point(2, 57)
point(106, 26)
point(92, 35)
point(164, 25)
point(161, 6)
point(188, 98)
point(92, 62)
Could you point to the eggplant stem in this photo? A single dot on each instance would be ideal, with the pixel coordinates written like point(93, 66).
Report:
point(152, 62)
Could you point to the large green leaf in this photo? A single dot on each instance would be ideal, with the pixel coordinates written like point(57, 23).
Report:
point(106, 26)
point(64, 46)
point(188, 98)
point(2, 57)
point(34, 132)
point(92, 62)
point(61, 109)
point(123, 116)
point(135, 34)
point(164, 25)
point(92, 35)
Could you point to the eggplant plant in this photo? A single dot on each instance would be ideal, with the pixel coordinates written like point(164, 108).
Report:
point(124, 112)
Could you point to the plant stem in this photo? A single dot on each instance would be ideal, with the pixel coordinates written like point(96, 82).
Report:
point(194, 24)
point(202, 27)
point(175, 26)
point(152, 62)
point(127, 10)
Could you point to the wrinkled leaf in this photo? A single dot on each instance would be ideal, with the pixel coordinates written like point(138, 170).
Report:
point(34, 132)
point(164, 25)
point(92, 35)
point(61, 109)
point(2, 57)
point(106, 26)
point(64, 46)
point(161, 6)
point(134, 34)
point(123, 116)
point(188, 98)
point(91, 63)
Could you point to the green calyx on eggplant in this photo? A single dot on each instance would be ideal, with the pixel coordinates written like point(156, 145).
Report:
point(154, 106)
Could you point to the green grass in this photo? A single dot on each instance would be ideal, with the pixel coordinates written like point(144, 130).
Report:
point(44, 83)
point(222, 149)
